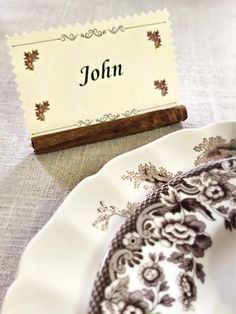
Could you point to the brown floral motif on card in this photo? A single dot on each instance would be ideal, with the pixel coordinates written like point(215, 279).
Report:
point(162, 86)
point(30, 58)
point(40, 110)
point(155, 37)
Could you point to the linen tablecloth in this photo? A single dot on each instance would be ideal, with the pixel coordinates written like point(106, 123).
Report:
point(32, 187)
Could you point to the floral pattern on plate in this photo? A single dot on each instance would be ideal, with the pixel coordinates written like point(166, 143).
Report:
point(150, 177)
point(168, 233)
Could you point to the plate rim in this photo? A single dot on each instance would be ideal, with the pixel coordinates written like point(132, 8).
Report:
point(101, 278)
point(18, 278)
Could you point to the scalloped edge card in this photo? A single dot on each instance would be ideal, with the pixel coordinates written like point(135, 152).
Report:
point(77, 76)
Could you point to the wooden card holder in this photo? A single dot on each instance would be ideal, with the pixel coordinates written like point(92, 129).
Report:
point(108, 130)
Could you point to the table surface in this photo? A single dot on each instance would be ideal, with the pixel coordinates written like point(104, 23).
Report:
point(32, 187)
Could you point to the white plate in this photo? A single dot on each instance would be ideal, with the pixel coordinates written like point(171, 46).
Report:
point(58, 268)
point(177, 246)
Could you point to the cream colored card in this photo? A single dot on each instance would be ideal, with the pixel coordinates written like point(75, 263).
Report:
point(81, 75)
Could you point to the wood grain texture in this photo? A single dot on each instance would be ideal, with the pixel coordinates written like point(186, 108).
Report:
point(108, 130)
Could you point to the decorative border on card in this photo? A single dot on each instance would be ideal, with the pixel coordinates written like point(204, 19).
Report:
point(105, 118)
point(108, 117)
point(90, 33)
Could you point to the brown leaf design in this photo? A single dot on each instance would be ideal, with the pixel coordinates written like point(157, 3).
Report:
point(200, 273)
point(164, 286)
point(191, 204)
point(232, 218)
point(30, 58)
point(166, 300)
point(109, 307)
point(223, 210)
point(187, 264)
point(116, 289)
point(152, 256)
point(162, 86)
point(171, 199)
point(155, 37)
point(161, 257)
point(176, 257)
point(149, 294)
point(40, 110)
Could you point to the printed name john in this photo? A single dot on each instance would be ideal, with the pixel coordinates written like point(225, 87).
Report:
point(105, 71)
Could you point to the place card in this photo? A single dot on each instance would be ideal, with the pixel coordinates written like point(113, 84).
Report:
point(84, 83)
